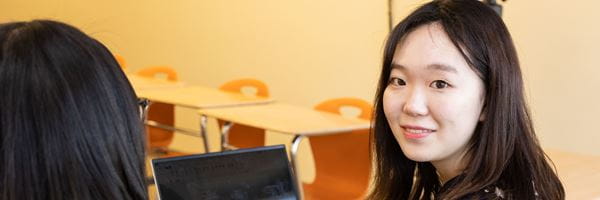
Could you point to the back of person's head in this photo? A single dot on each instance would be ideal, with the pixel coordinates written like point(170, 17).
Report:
point(70, 126)
point(504, 149)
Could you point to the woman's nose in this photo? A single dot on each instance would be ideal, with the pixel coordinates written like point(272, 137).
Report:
point(415, 103)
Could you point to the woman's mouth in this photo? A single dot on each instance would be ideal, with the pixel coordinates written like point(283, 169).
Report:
point(416, 132)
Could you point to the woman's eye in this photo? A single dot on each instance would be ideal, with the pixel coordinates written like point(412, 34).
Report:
point(439, 84)
point(397, 82)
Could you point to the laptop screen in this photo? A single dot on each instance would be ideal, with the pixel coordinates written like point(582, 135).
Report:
point(257, 173)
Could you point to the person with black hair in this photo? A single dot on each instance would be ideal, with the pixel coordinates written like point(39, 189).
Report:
point(70, 126)
point(451, 120)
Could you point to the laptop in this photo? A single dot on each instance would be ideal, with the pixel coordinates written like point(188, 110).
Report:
point(256, 173)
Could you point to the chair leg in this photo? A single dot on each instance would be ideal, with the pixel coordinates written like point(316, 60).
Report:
point(203, 124)
point(225, 135)
point(294, 157)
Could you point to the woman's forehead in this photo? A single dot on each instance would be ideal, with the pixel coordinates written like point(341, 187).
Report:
point(429, 47)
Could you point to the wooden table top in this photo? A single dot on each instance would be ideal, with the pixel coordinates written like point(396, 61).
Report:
point(287, 119)
point(197, 97)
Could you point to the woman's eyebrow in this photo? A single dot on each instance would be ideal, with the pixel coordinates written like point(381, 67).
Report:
point(434, 66)
point(442, 67)
point(398, 66)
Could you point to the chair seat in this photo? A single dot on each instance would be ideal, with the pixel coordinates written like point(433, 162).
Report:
point(342, 162)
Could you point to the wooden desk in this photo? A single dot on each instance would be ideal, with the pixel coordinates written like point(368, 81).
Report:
point(288, 119)
point(199, 97)
point(580, 174)
point(140, 83)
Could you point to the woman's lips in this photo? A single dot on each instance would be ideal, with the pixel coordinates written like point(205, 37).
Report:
point(416, 132)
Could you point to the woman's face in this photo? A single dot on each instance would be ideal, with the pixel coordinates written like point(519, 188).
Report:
point(433, 100)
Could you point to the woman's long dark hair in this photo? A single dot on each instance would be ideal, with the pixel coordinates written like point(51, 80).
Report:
point(70, 126)
point(505, 151)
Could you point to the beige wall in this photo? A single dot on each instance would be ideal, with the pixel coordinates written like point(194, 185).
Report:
point(308, 51)
point(559, 47)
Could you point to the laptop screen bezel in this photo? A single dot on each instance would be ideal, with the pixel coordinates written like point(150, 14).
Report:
point(293, 177)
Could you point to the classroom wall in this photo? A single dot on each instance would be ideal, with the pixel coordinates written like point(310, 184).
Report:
point(559, 44)
point(308, 51)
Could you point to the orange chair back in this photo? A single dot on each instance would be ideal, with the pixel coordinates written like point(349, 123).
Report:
point(121, 61)
point(335, 106)
point(160, 139)
point(245, 136)
point(237, 85)
point(157, 70)
point(342, 161)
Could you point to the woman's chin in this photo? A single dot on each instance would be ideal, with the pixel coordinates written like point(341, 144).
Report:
point(417, 156)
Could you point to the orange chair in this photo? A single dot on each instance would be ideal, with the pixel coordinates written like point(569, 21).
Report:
point(241, 136)
point(342, 161)
point(159, 139)
point(121, 61)
point(157, 70)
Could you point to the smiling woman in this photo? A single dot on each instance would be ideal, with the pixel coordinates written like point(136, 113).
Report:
point(433, 108)
point(451, 120)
